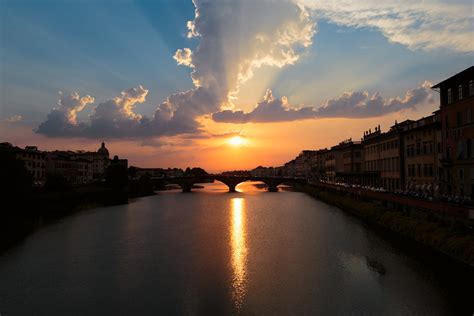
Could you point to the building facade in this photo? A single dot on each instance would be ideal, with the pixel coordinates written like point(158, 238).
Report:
point(34, 160)
point(334, 163)
point(422, 143)
point(72, 166)
point(352, 161)
point(457, 133)
point(384, 156)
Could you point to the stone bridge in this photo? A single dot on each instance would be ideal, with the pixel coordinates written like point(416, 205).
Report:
point(186, 183)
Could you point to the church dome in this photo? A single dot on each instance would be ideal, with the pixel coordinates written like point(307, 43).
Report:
point(103, 150)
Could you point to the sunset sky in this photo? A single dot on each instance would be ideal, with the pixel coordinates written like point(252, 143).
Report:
point(221, 84)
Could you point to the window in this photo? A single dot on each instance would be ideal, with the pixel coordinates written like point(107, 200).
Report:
point(468, 116)
point(460, 92)
point(458, 118)
point(471, 87)
point(450, 96)
point(460, 147)
point(468, 148)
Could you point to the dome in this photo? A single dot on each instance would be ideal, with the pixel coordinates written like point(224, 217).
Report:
point(103, 150)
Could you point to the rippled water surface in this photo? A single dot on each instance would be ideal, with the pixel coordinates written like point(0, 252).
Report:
point(212, 252)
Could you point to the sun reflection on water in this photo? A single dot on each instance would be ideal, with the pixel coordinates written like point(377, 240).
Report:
point(239, 251)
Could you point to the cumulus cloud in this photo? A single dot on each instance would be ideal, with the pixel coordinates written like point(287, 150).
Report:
point(63, 118)
point(348, 105)
point(426, 25)
point(235, 38)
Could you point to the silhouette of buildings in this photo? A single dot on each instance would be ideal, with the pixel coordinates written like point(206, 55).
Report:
point(100, 161)
point(77, 167)
point(119, 162)
point(433, 155)
point(34, 160)
point(74, 167)
point(157, 173)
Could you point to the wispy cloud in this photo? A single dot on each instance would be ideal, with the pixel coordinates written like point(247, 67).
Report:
point(427, 25)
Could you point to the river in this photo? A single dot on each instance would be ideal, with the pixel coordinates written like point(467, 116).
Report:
point(211, 252)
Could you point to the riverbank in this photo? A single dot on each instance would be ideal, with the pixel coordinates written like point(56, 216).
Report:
point(451, 237)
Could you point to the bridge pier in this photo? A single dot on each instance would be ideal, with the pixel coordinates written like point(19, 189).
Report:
point(185, 184)
point(273, 188)
point(232, 187)
point(185, 187)
point(272, 185)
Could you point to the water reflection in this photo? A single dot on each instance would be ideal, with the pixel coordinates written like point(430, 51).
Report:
point(239, 251)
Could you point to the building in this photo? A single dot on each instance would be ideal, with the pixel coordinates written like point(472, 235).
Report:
point(72, 166)
point(151, 173)
point(289, 169)
point(173, 173)
point(34, 160)
point(303, 163)
point(457, 133)
point(384, 157)
point(260, 172)
point(119, 162)
point(317, 163)
point(334, 163)
point(100, 161)
point(422, 144)
point(352, 161)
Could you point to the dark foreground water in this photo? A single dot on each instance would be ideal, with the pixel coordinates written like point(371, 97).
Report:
point(212, 252)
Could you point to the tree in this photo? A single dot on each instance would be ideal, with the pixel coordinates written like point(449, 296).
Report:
point(195, 172)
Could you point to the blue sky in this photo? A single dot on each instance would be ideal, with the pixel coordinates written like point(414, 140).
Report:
point(95, 47)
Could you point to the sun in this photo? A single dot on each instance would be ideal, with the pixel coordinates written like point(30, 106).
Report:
point(237, 141)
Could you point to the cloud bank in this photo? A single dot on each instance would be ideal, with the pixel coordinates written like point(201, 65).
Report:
point(426, 25)
point(235, 38)
point(348, 105)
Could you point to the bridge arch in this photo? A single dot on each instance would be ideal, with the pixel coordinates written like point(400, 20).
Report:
point(231, 182)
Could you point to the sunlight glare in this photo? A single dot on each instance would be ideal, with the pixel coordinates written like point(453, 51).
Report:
point(237, 141)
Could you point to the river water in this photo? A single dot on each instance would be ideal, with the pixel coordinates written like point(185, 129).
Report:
point(211, 252)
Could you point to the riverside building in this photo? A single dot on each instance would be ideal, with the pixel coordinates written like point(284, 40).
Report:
point(457, 133)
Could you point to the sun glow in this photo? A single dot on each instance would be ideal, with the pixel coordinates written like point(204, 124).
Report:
point(237, 141)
